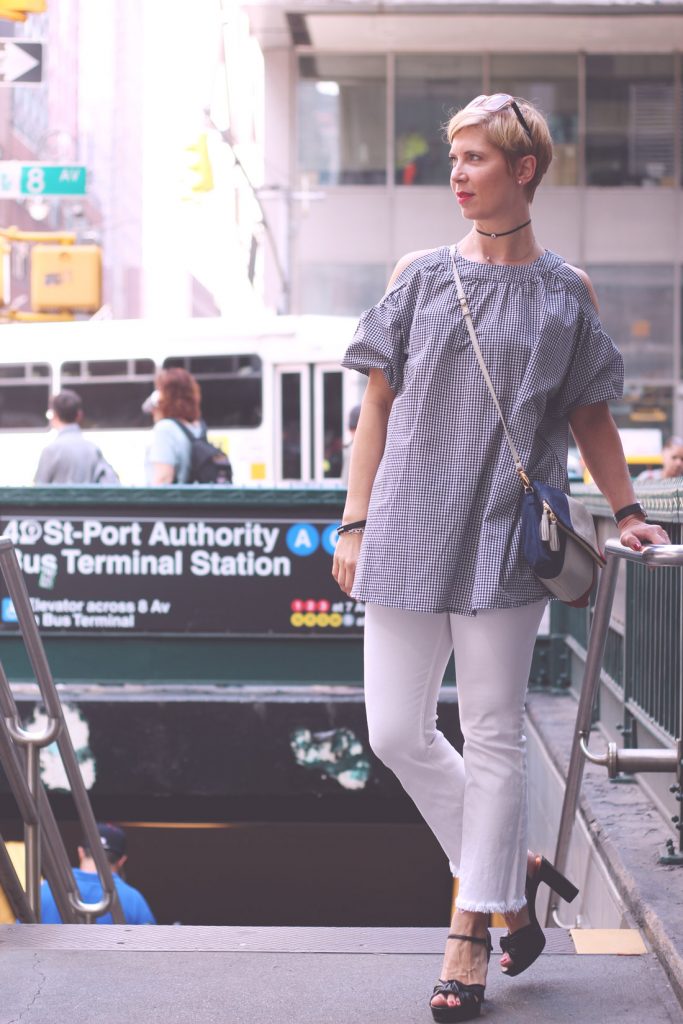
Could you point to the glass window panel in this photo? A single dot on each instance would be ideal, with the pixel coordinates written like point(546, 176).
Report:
point(107, 368)
point(8, 370)
point(144, 366)
point(333, 426)
point(231, 387)
point(113, 405)
point(551, 83)
point(290, 384)
point(637, 311)
point(342, 120)
point(111, 392)
point(23, 406)
point(429, 90)
point(341, 289)
point(630, 120)
point(231, 403)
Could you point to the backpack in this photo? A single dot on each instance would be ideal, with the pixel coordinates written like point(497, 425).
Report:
point(208, 464)
point(104, 473)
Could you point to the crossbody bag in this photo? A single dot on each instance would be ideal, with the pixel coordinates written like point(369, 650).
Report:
point(558, 539)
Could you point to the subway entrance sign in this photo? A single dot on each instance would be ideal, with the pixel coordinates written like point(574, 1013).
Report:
point(19, 180)
point(240, 571)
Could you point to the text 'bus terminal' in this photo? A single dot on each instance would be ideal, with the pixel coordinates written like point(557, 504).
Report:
point(216, 575)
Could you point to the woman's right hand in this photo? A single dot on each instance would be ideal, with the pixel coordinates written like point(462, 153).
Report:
point(345, 559)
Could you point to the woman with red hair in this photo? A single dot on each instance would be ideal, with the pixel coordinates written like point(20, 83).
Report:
point(176, 400)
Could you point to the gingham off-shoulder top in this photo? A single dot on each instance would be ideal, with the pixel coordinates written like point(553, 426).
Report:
point(443, 523)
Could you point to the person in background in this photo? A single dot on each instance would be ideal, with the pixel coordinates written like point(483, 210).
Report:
point(672, 462)
point(177, 397)
point(352, 424)
point(134, 905)
point(71, 458)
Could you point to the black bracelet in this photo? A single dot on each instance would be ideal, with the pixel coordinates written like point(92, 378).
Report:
point(636, 509)
point(352, 527)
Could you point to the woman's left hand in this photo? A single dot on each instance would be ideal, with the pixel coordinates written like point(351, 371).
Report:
point(635, 534)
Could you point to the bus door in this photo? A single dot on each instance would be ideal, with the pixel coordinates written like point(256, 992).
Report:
point(292, 407)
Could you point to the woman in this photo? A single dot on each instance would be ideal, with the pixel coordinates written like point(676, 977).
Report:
point(430, 533)
point(177, 397)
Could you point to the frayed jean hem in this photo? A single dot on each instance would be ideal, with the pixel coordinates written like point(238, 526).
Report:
point(487, 907)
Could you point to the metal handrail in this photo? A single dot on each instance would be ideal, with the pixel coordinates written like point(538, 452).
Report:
point(616, 759)
point(20, 758)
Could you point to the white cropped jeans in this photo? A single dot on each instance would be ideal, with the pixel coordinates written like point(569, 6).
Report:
point(475, 804)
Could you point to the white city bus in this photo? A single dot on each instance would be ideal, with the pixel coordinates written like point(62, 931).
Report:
point(273, 393)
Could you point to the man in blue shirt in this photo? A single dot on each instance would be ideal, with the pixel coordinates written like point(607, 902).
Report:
point(133, 903)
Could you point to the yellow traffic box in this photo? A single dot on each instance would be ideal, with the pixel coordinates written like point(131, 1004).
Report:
point(66, 277)
point(17, 10)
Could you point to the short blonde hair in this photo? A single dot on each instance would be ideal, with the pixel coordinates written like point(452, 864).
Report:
point(505, 131)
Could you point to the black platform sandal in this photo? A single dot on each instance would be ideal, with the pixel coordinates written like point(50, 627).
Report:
point(526, 944)
point(471, 996)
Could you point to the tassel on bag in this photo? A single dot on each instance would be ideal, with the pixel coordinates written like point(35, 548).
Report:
point(554, 535)
point(545, 523)
point(548, 528)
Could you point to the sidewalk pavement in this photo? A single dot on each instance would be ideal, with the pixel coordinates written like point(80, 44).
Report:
point(55, 974)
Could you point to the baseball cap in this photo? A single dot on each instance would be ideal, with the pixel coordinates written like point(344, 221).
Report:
point(113, 838)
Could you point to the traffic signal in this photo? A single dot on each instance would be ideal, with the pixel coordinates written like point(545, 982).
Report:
point(18, 10)
point(66, 277)
point(199, 164)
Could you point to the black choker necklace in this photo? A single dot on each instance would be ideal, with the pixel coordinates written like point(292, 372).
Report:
point(502, 234)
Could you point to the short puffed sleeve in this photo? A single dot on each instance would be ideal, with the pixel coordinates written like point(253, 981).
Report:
point(379, 341)
point(596, 371)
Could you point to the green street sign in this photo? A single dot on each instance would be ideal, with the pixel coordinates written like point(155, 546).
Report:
point(52, 180)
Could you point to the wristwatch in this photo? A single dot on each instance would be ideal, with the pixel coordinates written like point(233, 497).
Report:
point(636, 509)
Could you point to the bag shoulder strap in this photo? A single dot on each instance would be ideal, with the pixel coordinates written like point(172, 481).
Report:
point(467, 317)
point(186, 431)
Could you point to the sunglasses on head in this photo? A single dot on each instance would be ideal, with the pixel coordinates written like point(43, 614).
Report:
point(499, 101)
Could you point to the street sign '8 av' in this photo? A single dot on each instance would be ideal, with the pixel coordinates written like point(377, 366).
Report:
point(43, 180)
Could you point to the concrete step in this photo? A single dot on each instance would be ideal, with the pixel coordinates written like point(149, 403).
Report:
point(240, 975)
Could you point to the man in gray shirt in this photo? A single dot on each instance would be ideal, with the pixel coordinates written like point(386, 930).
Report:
point(71, 458)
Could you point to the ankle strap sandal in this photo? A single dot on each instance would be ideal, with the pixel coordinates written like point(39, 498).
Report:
point(470, 996)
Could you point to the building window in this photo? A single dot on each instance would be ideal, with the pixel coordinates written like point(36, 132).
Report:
point(429, 90)
point(342, 120)
point(636, 309)
point(341, 289)
point(551, 83)
point(630, 120)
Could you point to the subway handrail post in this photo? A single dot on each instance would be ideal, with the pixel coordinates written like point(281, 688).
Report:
point(651, 556)
point(28, 789)
point(13, 763)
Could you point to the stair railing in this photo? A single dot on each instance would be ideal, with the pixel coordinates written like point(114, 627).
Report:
point(20, 758)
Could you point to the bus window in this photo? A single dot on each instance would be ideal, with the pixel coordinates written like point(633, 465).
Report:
point(24, 396)
point(231, 387)
point(112, 391)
